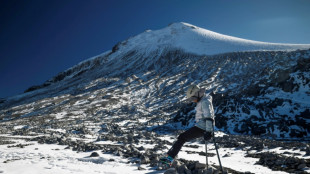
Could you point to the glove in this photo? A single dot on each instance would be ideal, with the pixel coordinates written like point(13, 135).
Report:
point(207, 136)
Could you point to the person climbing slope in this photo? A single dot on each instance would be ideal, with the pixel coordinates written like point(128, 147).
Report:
point(204, 119)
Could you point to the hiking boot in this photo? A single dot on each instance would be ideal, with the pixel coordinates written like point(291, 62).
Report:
point(165, 162)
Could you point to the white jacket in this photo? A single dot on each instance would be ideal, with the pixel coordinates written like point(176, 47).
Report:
point(204, 109)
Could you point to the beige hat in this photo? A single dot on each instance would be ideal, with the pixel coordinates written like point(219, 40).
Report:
point(195, 91)
point(191, 91)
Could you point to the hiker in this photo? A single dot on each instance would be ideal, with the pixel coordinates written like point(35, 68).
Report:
point(203, 122)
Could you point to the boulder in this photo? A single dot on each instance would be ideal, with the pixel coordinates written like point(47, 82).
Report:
point(144, 159)
point(94, 154)
point(183, 169)
point(171, 171)
point(200, 166)
point(301, 166)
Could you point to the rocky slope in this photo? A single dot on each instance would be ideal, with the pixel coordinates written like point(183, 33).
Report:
point(255, 93)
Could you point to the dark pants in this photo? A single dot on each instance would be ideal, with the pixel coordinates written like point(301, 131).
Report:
point(186, 136)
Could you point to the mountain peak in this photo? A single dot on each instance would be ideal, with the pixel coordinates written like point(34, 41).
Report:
point(180, 25)
point(200, 41)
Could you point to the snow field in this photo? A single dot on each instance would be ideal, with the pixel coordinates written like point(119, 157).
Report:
point(236, 159)
point(50, 159)
point(35, 158)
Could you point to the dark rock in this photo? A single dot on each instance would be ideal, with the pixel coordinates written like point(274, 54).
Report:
point(200, 171)
point(297, 133)
point(301, 166)
point(141, 168)
point(200, 166)
point(280, 162)
point(141, 148)
point(257, 129)
point(154, 162)
point(227, 155)
point(2, 100)
point(246, 109)
point(170, 171)
point(94, 154)
point(183, 169)
point(144, 159)
point(221, 121)
point(244, 128)
point(35, 87)
point(118, 153)
point(305, 114)
point(307, 151)
point(192, 146)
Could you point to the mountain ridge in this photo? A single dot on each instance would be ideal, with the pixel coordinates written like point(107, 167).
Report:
point(200, 41)
point(197, 40)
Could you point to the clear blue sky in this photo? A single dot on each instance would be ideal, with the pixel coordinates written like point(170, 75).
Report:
point(40, 38)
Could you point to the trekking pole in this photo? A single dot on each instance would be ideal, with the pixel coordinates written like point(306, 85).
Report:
point(218, 156)
point(206, 154)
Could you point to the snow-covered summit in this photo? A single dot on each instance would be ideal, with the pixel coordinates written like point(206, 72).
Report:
point(176, 36)
point(199, 41)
